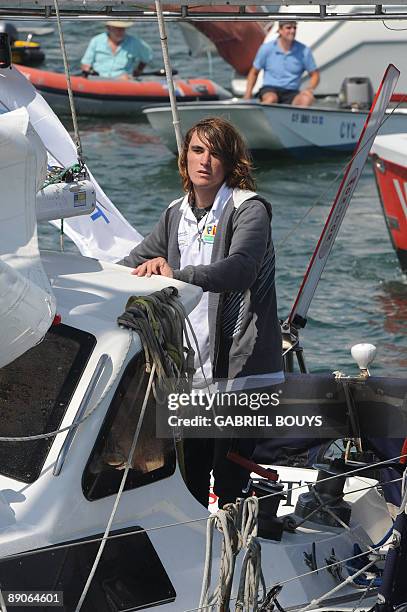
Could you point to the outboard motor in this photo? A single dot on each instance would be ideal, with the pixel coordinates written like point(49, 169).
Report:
point(356, 92)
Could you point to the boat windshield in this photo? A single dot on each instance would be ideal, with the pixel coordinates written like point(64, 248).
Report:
point(35, 391)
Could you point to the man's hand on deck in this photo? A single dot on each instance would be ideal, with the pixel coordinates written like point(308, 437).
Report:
point(158, 265)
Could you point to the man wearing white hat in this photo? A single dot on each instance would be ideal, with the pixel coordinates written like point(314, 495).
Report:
point(114, 54)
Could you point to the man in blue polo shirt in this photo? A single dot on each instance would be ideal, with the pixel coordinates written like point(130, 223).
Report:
point(284, 61)
point(115, 54)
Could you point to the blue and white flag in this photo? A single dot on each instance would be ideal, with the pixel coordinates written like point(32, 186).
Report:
point(105, 234)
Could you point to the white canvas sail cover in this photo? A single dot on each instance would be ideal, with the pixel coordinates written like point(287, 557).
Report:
point(105, 234)
point(27, 305)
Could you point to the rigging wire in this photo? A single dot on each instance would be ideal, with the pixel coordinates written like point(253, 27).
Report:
point(158, 527)
point(304, 575)
point(69, 85)
point(72, 107)
point(324, 194)
point(315, 602)
point(168, 74)
point(350, 473)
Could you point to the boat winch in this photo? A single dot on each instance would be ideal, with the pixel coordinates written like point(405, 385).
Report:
point(324, 502)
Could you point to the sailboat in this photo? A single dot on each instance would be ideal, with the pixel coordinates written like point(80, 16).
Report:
point(70, 535)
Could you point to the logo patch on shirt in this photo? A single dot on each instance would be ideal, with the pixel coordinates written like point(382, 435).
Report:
point(209, 234)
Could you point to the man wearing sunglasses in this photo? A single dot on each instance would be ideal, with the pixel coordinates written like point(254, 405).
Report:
point(284, 61)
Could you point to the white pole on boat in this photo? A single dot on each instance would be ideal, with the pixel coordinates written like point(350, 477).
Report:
point(168, 74)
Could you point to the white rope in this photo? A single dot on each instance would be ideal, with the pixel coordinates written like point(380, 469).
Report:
point(120, 491)
point(251, 574)
point(315, 602)
point(68, 82)
point(168, 74)
point(225, 521)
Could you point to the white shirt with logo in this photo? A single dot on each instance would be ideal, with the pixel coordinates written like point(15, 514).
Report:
point(195, 241)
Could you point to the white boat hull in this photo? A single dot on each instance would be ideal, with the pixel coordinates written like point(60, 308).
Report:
point(54, 509)
point(275, 128)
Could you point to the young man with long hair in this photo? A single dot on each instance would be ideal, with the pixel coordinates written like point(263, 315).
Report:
point(218, 236)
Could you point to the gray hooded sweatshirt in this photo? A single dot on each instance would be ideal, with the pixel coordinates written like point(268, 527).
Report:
point(244, 331)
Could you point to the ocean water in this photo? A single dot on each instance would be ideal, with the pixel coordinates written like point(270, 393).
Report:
point(362, 296)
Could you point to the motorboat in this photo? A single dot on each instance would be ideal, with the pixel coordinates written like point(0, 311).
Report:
point(389, 160)
point(105, 97)
point(278, 128)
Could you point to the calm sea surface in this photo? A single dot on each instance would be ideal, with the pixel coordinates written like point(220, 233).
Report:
point(362, 296)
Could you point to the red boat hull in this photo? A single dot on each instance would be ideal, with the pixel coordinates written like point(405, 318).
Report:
point(391, 180)
point(104, 97)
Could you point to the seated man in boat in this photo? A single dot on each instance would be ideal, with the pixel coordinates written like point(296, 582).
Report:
point(284, 61)
point(218, 236)
point(114, 54)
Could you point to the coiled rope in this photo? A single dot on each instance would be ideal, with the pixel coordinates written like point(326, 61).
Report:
point(225, 520)
point(251, 575)
point(159, 320)
point(234, 539)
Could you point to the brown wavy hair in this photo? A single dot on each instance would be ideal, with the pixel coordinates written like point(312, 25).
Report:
point(225, 143)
